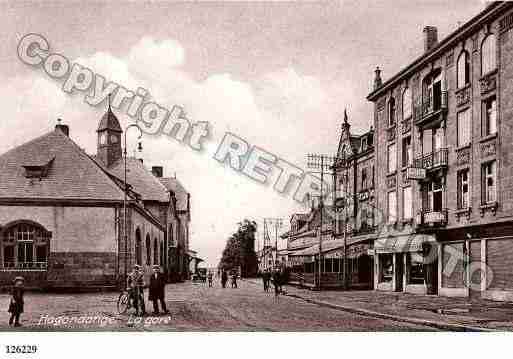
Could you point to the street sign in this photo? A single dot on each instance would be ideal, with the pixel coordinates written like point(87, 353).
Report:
point(416, 173)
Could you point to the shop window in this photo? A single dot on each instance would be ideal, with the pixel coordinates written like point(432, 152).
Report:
point(488, 55)
point(407, 151)
point(489, 182)
point(463, 189)
point(463, 70)
point(391, 158)
point(386, 263)
point(489, 116)
point(416, 266)
point(464, 128)
point(407, 104)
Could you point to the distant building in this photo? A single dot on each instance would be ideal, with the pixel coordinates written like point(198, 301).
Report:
point(62, 218)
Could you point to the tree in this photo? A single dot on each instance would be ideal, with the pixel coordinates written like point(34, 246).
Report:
point(240, 249)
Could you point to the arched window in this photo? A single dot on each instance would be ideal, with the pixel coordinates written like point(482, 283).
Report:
point(138, 246)
point(391, 112)
point(148, 250)
point(488, 54)
point(25, 245)
point(407, 110)
point(170, 235)
point(162, 254)
point(463, 70)
point(155, 251)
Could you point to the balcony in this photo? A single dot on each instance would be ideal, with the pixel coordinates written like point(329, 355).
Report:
point(434, 160)
point(432, 108)
point(429, 218)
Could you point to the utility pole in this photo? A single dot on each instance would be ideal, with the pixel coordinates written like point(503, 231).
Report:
point(323, 163)
point(278, 223)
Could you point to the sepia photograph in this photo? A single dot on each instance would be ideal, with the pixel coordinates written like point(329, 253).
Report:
point(299, 167)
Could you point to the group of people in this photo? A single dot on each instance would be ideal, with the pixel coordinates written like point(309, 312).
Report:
point(156, 289)
point(224, 279)
point(275, 276)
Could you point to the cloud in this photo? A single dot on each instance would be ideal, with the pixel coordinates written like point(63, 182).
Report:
point(220, 196)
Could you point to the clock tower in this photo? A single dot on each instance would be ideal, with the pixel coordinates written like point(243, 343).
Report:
point(109, 138)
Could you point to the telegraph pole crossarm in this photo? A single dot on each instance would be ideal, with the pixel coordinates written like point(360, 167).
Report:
point(321, 163)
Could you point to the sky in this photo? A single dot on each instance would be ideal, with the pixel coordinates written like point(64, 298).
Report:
point(277, 74)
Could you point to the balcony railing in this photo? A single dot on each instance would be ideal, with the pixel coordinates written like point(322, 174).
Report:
point(432, 106)
point(24, 265)
point(432, 218)
point(436, 159)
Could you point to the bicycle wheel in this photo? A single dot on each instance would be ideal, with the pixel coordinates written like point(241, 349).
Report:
point(123, 303)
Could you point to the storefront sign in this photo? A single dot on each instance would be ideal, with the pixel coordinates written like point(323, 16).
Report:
point(416, 173)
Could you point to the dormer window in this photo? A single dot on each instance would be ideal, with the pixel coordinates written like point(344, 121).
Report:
point(38, 170)
point(364, 144)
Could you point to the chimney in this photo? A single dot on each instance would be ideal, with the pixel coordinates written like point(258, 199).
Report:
point(63, 128)
point(430, 37)
point(377, 78)
point(158, 171)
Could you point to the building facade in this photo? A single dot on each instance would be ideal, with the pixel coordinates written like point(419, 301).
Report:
point(353, 179)
point(62, 219)
point(444, 172)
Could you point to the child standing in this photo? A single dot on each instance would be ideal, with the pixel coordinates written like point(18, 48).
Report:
point(16, 305)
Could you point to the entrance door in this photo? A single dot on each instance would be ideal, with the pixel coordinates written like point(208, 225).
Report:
point(399, 271)
point(475, 279)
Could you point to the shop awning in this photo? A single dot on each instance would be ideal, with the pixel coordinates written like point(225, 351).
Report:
point(401, 244)
point(331, 249)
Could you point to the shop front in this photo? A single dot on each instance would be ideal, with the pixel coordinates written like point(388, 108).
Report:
point(305, 265)
point(406, 264)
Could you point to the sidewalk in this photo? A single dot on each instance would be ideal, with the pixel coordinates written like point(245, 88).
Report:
point(459, 314)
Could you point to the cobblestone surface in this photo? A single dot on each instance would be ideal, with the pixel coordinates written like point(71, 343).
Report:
point(193, 307)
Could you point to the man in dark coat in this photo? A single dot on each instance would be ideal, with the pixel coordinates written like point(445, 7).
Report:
point(16, 304)
point(157, 289)
point(224, 278)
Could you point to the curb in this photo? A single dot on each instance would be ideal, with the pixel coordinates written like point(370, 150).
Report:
point(370, 313)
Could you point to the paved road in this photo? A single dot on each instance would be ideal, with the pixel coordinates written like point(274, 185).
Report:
point(195, 307)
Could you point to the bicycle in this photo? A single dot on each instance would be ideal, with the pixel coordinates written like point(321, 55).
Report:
point(126, 301)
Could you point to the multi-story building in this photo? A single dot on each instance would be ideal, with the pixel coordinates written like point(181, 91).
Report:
point(443, 156)
point(353, 179)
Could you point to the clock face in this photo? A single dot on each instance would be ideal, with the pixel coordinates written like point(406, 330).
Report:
point(103, 138)
point(113, 138)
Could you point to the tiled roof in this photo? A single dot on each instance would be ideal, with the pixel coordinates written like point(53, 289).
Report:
point(172, 184)
point(72, 174)
point(141, 179)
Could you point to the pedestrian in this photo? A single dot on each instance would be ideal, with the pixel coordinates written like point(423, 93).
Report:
point(224, 278)
point(135, 284)
point(157, 290)
point(267, 278)
point(234, 280)
point(16, 303)
point(210, 278)
point(277, 282)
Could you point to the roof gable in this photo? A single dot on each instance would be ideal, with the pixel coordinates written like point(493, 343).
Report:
point(142, 180)
point(71, 173)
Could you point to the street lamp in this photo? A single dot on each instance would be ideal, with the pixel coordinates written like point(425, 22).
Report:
point(125, 188)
